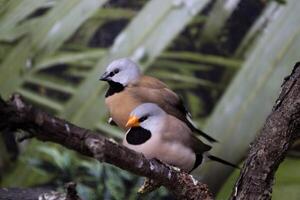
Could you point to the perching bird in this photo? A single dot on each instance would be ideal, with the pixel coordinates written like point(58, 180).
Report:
point(128, 88)
point(159, 135)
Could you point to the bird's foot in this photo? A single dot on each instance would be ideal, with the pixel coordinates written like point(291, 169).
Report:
point(113, 140)
point(175, 168)
point(24, 136)
point(110, 121)
point(148, 186)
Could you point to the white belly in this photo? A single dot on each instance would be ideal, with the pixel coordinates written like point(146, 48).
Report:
point(172, 153)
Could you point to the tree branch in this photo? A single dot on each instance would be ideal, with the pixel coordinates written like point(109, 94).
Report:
point(282, 127)
point(23, 194)
point(16, 114)
point(39, 193)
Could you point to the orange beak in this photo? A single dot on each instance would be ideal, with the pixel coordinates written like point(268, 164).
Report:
point(132, 122)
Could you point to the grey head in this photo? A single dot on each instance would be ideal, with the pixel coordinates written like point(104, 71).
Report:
point(123, 71)
point(148, 116)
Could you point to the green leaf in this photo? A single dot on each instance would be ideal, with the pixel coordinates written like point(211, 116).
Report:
point(182, 78)
point(94, 168)
point(16, 11)
point(49, 33)
point(41, 100)
point(50, 84)
point(111, 131)
point(86, 192)
point(70, 57)
point(202, 58)
point(216, 20)
point(114, 183)
point(62, 160)
point(248, 100)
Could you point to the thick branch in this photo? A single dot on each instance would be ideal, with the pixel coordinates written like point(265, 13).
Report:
point(15, 114)
point(23, 193)
point(39, 193)
point(270, 147)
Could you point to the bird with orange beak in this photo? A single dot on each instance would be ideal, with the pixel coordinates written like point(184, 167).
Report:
point(157, 134)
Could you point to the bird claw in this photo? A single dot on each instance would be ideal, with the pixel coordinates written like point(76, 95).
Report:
point(175, 168)
point(110, 121)
point(113, 141)
point(24, 136)
point(148, 186)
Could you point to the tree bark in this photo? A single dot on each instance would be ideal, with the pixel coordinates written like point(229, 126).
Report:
point(39, 193)
point(269, 149)
point(22, 194)
point(16, 114)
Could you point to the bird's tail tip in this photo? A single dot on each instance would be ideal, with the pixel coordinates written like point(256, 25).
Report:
point(214, 158)
point(207, 137)
point(2, 102)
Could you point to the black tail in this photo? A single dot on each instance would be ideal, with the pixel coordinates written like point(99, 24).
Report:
point(214, 158)
point(209, 138)
point(2, 102)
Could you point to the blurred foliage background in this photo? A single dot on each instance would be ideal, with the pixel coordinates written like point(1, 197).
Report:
point(227, 60)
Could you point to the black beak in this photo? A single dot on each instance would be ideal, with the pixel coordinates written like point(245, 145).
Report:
point(104, 77)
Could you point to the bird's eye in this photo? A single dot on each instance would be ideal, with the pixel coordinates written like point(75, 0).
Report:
point(143, 118)
point(111, 74)
point(116, 71)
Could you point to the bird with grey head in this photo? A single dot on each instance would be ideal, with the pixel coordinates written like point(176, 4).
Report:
point(159, 135)
point(128, 88)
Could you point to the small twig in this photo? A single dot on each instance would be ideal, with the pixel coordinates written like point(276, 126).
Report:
point(16, 114)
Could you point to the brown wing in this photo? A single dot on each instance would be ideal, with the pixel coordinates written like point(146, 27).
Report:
point(150, 89)
point(177, 131)
point(151, 82)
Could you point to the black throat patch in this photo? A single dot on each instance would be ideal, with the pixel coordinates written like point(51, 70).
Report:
point(137, 135)
point(114, 88)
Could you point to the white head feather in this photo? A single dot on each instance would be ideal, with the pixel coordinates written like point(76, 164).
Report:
point(153, 116)
point(123, 71)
